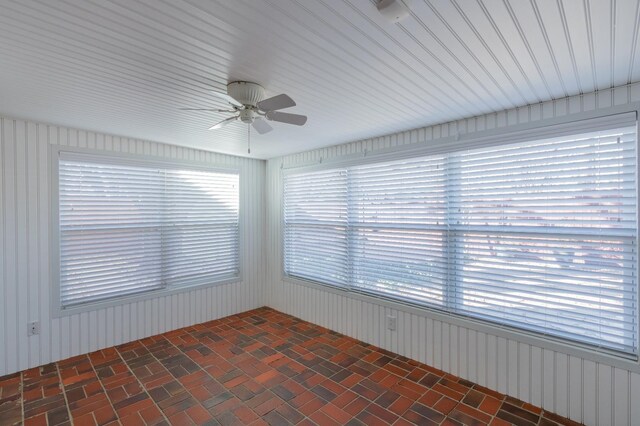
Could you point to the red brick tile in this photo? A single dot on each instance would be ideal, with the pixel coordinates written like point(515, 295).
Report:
point(380, 375)
point(180, 418)
point(472, 412)
point(390, 381)
point(403, 422)
point(290, 414)
point(351, 380)
point(198, 414)
point(381, 413)
point(489, 392)
point(323, 419)
point(131, 420)
point(445, 405)
point(490, 405)
point(85, 420)
point(245, 415)
point(334, 387)
point(430, 398)
point(451, 393)
point(370, 419)
point(135, 407)
point(200, 393)
point(78, 378)
point(268, 406)
point(499, 422)
point(151, 414)
point(312, 406)
point(264, 377)
point(236, 382)
point(104, 415)
point(336, 413)
point(228, 405)
point(532, 408)
point(400, 405)
point(345, 398)
point(302, 399)
point(39, 420)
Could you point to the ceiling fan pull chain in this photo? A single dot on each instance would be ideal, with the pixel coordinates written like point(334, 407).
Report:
point(249, 139)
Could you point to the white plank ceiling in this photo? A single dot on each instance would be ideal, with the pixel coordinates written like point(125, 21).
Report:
point(125, 67)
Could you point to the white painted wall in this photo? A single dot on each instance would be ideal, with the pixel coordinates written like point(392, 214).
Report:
point(25, 270)
point(580, 388)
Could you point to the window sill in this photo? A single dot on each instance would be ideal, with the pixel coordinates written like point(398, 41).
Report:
point(521, 336)
point(59, 312)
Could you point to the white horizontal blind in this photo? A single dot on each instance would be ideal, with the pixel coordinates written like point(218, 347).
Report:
point(537, 235)
point(398, 229)
point(544, 236)
point(315, 223)
point(201, 240)
point(127, 228)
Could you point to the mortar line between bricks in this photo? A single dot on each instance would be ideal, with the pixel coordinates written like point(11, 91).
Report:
point(199, 366)
point(293, 360)
point(302, 336)
point(141, 386)
point(22, 395)
point(373, 347)
point(93, 367)
point(163, 366)
point(395, 356)
point(389, 373)
point(64, 394)
point(249, 353)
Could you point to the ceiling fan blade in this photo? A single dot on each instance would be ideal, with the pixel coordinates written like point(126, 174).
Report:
point(223, 123)
point(284, 117)
point(206, 109)
point(276, 102)
point(261, 126)
point(228, 98)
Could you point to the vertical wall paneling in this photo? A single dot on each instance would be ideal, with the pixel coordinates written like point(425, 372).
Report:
point(25, 270)
point(584, 390)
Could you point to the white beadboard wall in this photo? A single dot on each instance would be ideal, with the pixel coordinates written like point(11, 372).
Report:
point(583, 390)
point(25, 270)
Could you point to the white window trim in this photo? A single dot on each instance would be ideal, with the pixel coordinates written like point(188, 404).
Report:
point(54, 236)
point(546, 128)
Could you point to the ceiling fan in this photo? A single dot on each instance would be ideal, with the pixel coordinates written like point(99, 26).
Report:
point(249, 106)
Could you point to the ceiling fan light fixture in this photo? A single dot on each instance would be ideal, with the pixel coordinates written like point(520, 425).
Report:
point(248, 115)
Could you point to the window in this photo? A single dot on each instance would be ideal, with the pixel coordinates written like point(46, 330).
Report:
point(536, 235)
point(127, 227)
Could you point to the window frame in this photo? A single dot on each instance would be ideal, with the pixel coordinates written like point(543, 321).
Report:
point(509, 134)
point(106, 156)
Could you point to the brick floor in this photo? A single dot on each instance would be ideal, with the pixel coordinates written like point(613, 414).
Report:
point(259, 367)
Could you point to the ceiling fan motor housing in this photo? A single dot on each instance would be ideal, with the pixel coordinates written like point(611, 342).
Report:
point(246, 93)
